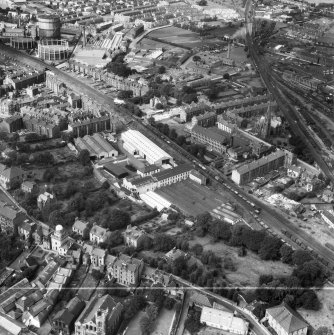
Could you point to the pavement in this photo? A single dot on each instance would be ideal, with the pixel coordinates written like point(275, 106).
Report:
point(184, 313)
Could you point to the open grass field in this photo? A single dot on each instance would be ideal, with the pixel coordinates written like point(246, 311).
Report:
point(249, 268)
point(177, 35)
point(164, 322)
point(192, 198)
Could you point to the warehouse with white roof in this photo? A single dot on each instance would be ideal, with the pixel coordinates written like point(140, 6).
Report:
point(226, 321)
point(136, 143)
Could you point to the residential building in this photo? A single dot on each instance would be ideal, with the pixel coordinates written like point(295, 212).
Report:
point(10, 217)
point(97, 257)
point(213, 138)
point(286, 321)
point(174, 254)
point(11, 124)
point(134, 237)
point(89, 126)
point(194, 109)
point(259, 168)
point(37, 314)
point(101, 316)
point(205, 120)
point(26, 228)
point(60, 242)
point(10, 177)
point(125, 269)
point(41, 126)
point(136, 143)
point(28, 186)
point(98, 234)
point(63, 321)
point(45, 199)
point(20, 81)
point(81, 228)
point(223, 320)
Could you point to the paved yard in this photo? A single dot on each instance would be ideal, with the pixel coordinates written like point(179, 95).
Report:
point(134, 327)
point(164, 322)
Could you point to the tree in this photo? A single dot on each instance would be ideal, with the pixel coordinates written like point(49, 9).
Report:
point(252, 239)
point(84, 157)
point(133, 305)
point(310, 273)
point(308, 300)
point(98, 275)
point(152, 311)
point(161, 70)
point(115, 219)
point(170, 302)
point(226, 76)
point(301, 256)
point(56, 218)
point(286, 253)
point(323, 331)
point(125, 94)
point(220, 230)
point(163, 242)
point(270, 248)
point(202, 3)
point(196, 58)
point(146, 325)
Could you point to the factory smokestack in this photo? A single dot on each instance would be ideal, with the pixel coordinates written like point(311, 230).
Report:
point(229, 49)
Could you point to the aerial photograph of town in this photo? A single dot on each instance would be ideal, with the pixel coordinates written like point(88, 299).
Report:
point(167, 167)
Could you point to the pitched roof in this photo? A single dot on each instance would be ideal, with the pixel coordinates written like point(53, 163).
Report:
point(288, 319)
point(12, 173)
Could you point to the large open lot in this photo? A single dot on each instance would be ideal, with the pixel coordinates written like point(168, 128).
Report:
point(183, 37)
point(192, 198)
point(177, 35)
point(249, 268)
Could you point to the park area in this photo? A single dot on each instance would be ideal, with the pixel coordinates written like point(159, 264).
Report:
point(248, 268)
point(177, 35)
point(192, 198)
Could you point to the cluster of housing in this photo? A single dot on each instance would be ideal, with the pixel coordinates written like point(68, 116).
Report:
point(29, 304)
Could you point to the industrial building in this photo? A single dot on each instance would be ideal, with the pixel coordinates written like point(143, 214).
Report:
point(22, 43)
point(53, 49)
point(258, 168)
point(49, 26)
point(137, 144)
point(224, 320)
point(96, 145)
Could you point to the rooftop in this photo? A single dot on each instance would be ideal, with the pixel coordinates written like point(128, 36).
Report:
point(288, 319)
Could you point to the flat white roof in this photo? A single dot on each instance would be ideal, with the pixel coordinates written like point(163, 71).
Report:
point(223, 320)
point(138, 142)
point(154, 200)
